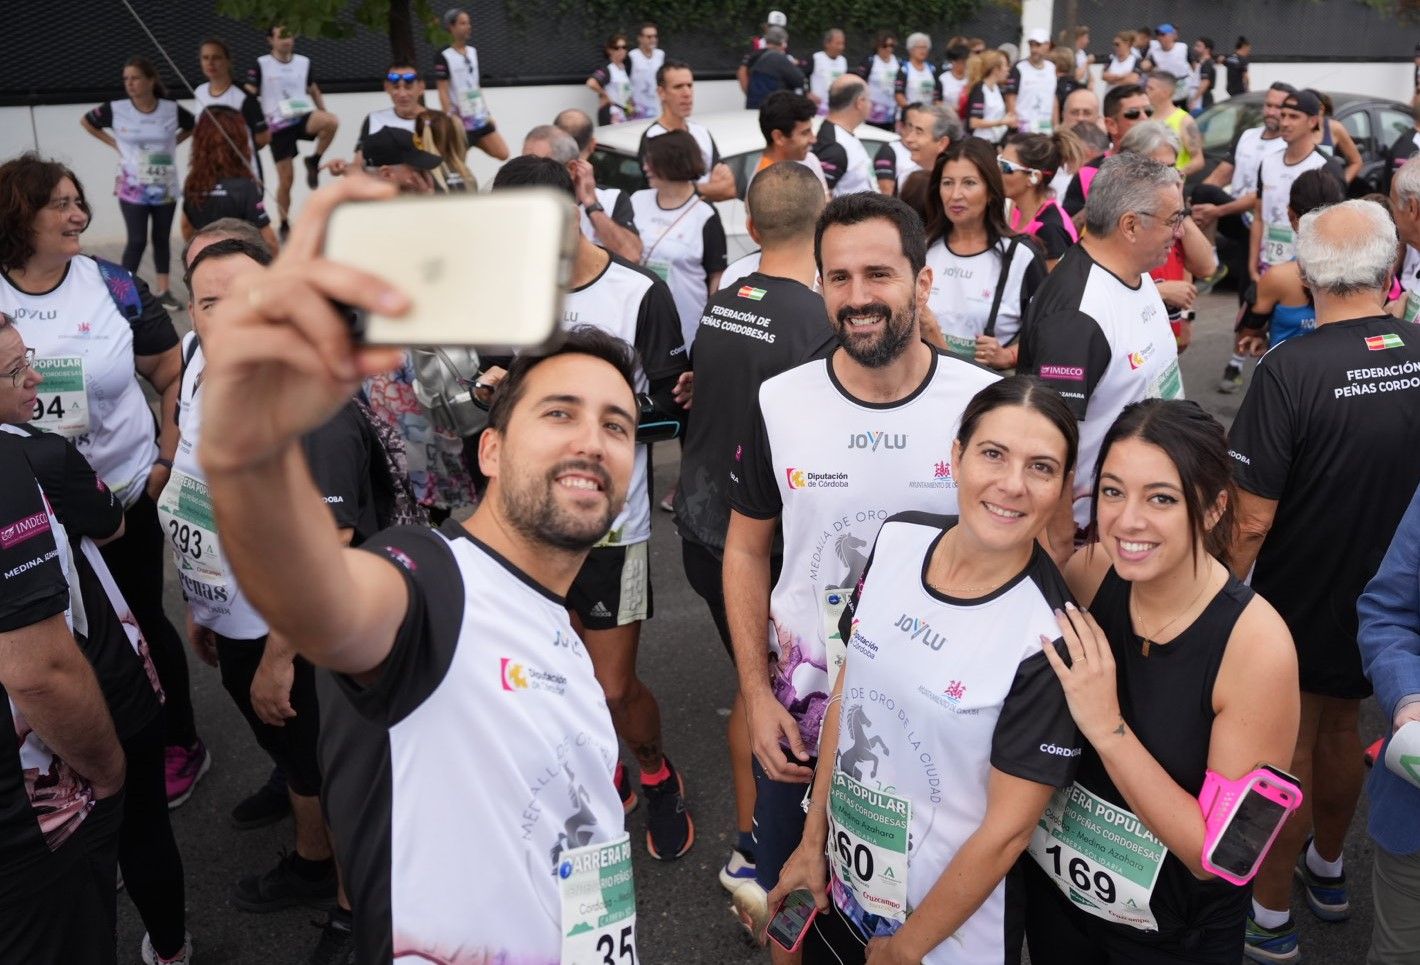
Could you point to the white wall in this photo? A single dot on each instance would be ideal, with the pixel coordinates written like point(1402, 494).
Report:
point(55, 132)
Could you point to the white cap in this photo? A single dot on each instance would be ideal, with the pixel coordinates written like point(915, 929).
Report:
point(1038, 36)
point(776, 18)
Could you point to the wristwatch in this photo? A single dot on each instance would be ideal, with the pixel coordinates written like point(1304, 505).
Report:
point(593, 208)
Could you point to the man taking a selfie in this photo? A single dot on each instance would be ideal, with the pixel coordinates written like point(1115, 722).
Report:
point(452, 660)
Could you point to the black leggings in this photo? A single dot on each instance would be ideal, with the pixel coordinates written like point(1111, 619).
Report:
point(136, 561)
point(147, 851)
point(135, 219)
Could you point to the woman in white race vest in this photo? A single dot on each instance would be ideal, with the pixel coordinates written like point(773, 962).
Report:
point(950, 730)
point(983, 274)
point(612, 84)
point(147, 126)
point(96, 329)
point(880, 70)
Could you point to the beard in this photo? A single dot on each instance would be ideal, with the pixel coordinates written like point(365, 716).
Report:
point(885, 347)
point(531, 507)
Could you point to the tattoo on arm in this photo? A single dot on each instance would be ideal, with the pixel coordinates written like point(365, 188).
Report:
point(1120, 729)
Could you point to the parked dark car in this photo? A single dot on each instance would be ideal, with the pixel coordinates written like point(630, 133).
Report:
point(1373, 122)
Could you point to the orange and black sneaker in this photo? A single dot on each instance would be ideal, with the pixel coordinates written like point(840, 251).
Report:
point(669, 830)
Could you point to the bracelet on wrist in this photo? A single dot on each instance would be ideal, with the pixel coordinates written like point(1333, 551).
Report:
point(165, 463)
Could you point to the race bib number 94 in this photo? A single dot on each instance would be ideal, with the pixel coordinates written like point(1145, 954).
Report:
point(1100, 855)
point(598, 904)
point(62, 404)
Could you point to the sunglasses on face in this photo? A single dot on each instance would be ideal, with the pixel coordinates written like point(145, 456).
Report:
point(396, 78)
point(1134, 113)
point(1008, 167)
point(889, 45)
point(618, 47)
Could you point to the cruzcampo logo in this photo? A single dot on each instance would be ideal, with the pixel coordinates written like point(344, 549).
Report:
point(752, 293)
point(1379, 343)
point(1411, 764)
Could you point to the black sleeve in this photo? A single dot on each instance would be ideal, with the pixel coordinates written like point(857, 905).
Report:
point(976, 102)
point(713, 246)
point(79, 498)
point(185, 119)
point(865, 68)
point(153, 331)
point(884, 163)
point(338, 454)
point(251, 112)
point(714, 154)
point(1067, 352)
point(441, 67)
point(32, 583)
point(101, 116)
point(1054, 239)
point(426, 640)
point(254, 75)
point(753, 489)
point(1036, 738)
point(1263, 438)
point(364, 132)
point(791, 76)
point(1013, 81)
point(658, 338)
point(1074, 201)
point(623, 214)
point(833, 157)
point(899, 86)
point(1031, 281)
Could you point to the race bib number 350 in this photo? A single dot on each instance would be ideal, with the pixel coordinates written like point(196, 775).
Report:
point(598, 904)
point(1100, 855)
point(62, 405)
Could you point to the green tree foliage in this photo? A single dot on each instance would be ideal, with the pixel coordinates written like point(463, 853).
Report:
point(397, 19)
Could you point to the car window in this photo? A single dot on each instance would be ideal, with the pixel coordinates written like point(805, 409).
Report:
point(613, 170)
point(1393, 125)
point(1221, 125)
point(1357, 124)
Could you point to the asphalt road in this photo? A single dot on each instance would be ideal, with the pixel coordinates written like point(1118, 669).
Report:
point(683, 914)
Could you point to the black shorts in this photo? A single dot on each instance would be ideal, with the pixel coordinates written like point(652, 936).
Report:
point(292, 747)
point(613, 587)
point(704, 571)
point(61, 906)
point(478, 133)
point(283, 142)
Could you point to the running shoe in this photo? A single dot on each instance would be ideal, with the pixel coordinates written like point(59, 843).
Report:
point(738, 872)
point(262, 807)
point(669, 830)
point(337, 941)
point(1326, 897)
point(629, 800)
point(1271, 944)
point(312, 172)
point(751, 906)
point(184, 767)
point(1206, 285)
point(282, 887)
point(151, 957)
point(169, 301)
point(668, 501)
point(1232, 379)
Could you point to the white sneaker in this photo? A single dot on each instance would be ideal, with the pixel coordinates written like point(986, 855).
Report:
point(150, 957)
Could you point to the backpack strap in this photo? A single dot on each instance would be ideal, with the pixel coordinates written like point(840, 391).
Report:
point(122, 288)
point(990, 330)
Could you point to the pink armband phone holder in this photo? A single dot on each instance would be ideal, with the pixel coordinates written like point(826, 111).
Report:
point(1242, 818)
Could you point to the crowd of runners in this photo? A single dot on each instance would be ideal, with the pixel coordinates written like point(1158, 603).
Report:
point(1008, 614)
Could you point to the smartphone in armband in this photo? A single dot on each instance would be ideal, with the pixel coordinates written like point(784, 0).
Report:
point(792, 919)
point(1242, 818)
point(482, 270)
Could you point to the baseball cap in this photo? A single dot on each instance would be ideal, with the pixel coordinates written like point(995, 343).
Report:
point(395, 145)
point(776, 18)
point(1038, 36)
point(1166, 28)
point(1303, 101)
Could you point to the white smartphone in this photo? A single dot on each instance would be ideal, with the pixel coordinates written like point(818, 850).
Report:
point(483, 270)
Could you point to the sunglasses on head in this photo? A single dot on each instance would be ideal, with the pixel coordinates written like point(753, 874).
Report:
point(394, 77)
point(1134, 113)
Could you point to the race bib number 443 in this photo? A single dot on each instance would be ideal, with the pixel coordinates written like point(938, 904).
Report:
point(598, 904)
point(1100, 855)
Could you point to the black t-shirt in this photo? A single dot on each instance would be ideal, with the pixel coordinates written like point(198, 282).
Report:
point(340, 454)
point(1330, 428)
point(32, 589)
point(1052, 234)
point(1077, 193)
point(229, 198)
point(87, 508)
point(1208, 70)
point(772, 70)
point(1237, 67)
point(751, 332)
